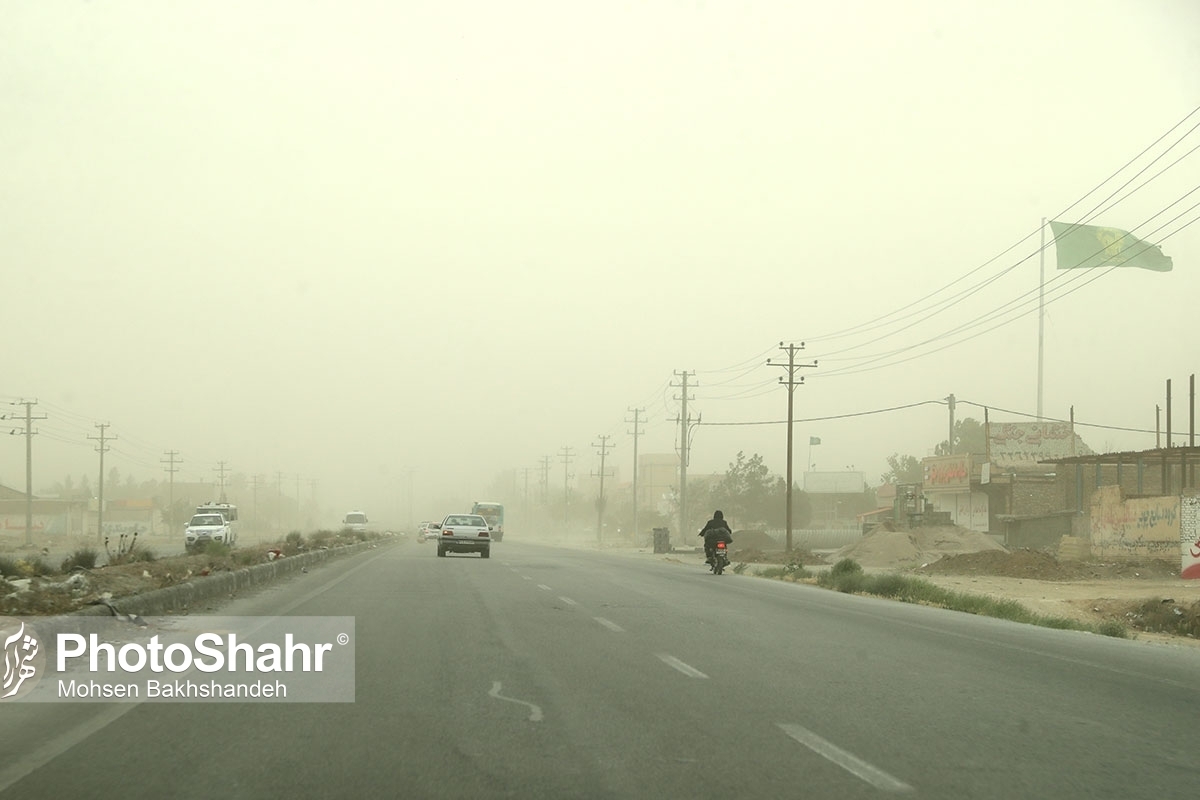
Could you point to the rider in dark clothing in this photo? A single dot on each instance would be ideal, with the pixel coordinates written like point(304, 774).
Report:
point(715, 530)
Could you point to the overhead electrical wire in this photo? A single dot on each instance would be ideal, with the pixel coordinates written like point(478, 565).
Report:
point(873, 322)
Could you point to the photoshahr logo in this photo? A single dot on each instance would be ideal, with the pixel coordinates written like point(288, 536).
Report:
point(23, 658)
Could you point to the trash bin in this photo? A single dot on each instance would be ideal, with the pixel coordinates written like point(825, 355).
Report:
point(662, 540)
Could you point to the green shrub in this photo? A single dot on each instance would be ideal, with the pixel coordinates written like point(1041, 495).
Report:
point(739, 568)
point(9, 568)
point(216, 549)
point(85, 557)
point(847, 566)
point(1113, 628)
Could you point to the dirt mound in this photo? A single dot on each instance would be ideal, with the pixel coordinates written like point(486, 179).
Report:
point(754, 540)
point(888, 548)
point(1043, 566)
point(753, 555)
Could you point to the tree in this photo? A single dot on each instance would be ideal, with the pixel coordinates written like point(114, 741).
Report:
point(968, 438)
point(751, 496)
point(903, 469)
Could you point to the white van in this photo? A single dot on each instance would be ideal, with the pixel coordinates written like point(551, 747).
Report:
point(356, 521)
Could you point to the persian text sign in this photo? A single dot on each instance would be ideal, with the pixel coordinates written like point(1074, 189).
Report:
point(1024, 444)
point(947, 472)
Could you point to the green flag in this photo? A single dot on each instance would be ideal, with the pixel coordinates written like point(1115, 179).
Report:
point(814, 440)
point(1086, 246)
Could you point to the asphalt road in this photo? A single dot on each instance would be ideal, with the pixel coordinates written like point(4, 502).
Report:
point(551, 673)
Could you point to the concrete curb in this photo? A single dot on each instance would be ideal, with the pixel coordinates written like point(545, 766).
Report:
point(185, 596)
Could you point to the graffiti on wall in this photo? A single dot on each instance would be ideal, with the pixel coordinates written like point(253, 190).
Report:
point(1146, 527)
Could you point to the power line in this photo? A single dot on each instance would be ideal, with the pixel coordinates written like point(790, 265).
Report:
point(867, 325)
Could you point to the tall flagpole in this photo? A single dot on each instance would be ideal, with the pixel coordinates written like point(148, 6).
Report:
point(1041, 317)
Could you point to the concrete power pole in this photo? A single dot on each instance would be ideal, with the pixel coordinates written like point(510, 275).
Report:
point(637, 422)
point(684, 425)
point(544, 481)
point(603, 446)
point(791, 382)
point(279, 499)
point(566, 455)
point(172, 459)
point(525, 497)
point(950, 439)
point(101, 448)
point(29, 433)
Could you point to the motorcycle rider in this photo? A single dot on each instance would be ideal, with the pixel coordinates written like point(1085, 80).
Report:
point(715, 530)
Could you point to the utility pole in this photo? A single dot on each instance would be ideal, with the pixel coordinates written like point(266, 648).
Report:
point(1041, 358)
point(637, 422)
point(525, 498)
point(28, 434)
point(312, 500)
point(1168, 413)
point(409, 472)
point(279, 499)
point(254, 508)
point(221, 469)
point(566, 455)
point(298, 513)
point(172, 459)
point(950, 438)
point(684, 424)
point(544, 481)
point(101, 448)
point(603, 446)
point(791, 382)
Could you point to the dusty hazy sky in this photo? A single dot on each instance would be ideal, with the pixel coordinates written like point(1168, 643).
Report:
point(346, 240)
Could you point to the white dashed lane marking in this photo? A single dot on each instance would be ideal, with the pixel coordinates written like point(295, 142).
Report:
point(567, 600)
point(608, 623)
point(686, 669)
point(847, 761)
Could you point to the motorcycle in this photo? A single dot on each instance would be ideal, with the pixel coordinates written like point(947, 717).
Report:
point(720, 559)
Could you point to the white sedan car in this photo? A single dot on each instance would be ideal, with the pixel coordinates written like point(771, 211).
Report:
point(464, 533)
point(426, 531)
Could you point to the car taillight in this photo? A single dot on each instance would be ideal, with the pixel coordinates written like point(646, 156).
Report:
point(483, 533)
point(447, 532)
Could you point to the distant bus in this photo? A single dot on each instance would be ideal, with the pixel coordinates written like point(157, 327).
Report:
point(494, 514)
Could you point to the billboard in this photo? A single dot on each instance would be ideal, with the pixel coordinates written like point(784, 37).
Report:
point(834, 482)
point(947, 473)
point(1024, 444)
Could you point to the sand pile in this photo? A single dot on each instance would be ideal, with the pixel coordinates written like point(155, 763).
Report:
point(887, 548)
